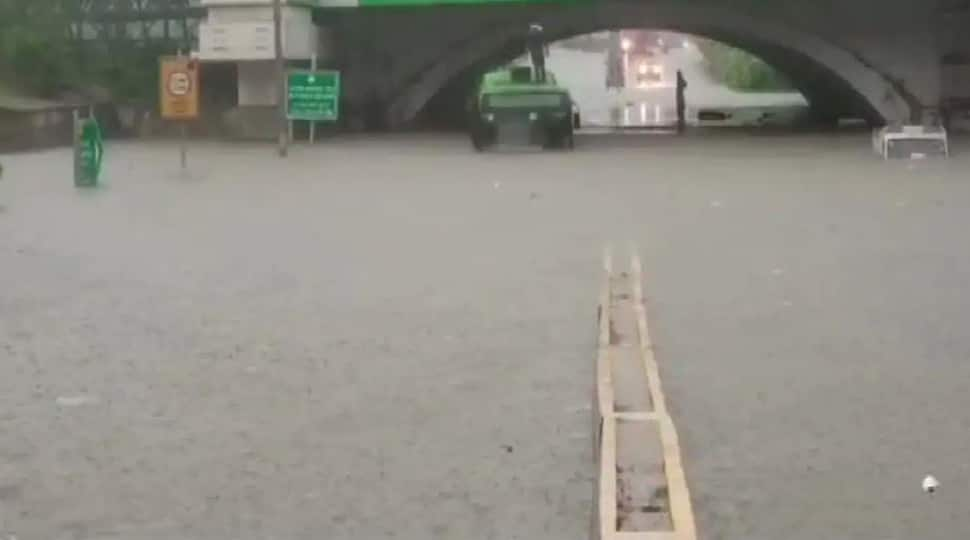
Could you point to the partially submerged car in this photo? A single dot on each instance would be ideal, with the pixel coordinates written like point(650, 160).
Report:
point(511, 107)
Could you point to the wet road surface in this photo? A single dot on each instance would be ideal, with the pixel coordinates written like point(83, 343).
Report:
point(394, 337)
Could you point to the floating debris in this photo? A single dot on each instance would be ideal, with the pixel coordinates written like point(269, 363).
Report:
point(76, 401)
point(930, 484)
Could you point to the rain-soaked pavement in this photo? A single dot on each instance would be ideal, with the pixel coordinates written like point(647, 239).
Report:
point(394, 337)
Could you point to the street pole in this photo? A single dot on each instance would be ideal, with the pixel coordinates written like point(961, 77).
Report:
point(184, 135)
point(281, 76)
point(313, 125)
point(76, 142)
point(626, 69)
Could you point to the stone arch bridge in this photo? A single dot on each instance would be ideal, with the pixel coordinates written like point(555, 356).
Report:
point(882, 60)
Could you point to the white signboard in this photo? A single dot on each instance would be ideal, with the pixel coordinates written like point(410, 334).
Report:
point(254, 39)
point(236, 41)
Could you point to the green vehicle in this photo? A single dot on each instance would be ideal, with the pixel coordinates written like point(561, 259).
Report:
point(511, 107)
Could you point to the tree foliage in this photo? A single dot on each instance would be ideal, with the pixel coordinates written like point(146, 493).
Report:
point(48, 47)
point(34, 45)
point(741, 70)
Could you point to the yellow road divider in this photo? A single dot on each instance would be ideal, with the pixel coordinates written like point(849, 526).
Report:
point(642, 490)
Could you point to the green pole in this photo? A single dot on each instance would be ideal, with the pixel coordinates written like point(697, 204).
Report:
point(89, 153)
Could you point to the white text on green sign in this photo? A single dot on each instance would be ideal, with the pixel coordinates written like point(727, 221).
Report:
point(313, 96)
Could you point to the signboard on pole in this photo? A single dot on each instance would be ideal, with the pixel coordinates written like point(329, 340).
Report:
point(179, 88)
point(313, 96)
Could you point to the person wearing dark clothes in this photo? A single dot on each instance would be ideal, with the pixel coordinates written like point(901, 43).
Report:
point(681, 101)
point(536, 45)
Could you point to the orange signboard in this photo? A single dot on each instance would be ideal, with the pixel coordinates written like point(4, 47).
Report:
point(179, 88)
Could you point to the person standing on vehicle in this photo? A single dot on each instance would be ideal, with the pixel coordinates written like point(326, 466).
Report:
point(535, 43)
point(681, 102)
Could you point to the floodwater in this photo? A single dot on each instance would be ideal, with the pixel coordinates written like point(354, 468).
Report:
point(393, 337)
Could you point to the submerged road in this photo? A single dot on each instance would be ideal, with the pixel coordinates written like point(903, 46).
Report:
point(394, 337)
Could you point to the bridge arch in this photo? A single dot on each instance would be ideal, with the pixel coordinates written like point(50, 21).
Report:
point(823, 71)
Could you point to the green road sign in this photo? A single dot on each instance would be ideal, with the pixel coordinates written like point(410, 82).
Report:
point(313, 96)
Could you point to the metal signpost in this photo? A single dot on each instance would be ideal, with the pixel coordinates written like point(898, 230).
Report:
point(313, 96)
point(180, 95)
point(284, 138)
point(313, 124)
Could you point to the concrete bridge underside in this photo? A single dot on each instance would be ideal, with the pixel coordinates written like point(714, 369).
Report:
point(873, 59)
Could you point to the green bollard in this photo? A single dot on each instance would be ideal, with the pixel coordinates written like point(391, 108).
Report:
point(88, 151)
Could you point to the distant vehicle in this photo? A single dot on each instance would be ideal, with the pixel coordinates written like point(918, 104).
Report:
point(646, 72)
point(642, 53)
point(510, 106)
